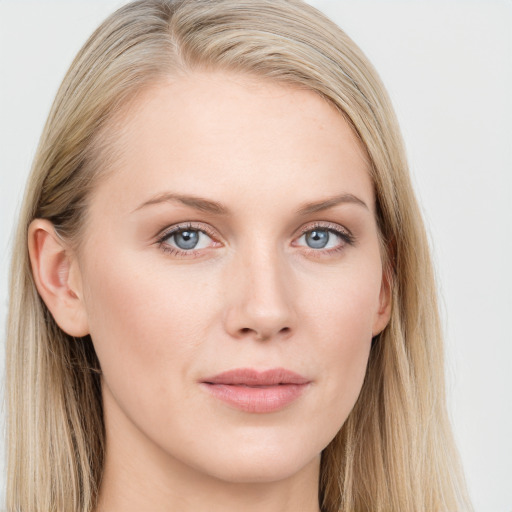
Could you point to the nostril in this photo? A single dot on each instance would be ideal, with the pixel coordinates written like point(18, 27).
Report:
point(285, 331)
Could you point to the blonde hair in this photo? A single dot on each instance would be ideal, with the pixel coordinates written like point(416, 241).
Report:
point(395, 452)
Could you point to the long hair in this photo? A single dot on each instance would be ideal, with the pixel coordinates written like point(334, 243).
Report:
point(395, 451)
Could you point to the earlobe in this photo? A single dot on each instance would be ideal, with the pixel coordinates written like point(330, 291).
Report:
point(57, 277)
point(384, 312)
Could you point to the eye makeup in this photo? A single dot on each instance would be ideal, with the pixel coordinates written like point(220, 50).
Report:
point(174, 230)
point(320, 230)
point(346, 237)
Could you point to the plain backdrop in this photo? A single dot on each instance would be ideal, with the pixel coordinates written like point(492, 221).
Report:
point(448, 68)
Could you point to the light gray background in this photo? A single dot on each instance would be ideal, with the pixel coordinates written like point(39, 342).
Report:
point(448, 67)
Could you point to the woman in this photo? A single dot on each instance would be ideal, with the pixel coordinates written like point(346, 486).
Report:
point(222, 297)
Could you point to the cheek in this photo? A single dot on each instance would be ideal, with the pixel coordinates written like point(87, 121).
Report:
point(344, 316)
point(140, 322)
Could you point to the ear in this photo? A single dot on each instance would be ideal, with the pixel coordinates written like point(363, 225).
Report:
point(57, 277)
point(384, 312)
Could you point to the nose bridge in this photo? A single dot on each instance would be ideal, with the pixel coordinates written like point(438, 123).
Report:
point(260, 303)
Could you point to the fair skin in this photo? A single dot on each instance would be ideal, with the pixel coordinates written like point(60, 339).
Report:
point(259, 286)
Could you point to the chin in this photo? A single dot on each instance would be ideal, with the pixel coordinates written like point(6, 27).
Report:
point(266, 472)
point(264, 465)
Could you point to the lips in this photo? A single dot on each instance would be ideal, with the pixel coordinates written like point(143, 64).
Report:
point(257, 392)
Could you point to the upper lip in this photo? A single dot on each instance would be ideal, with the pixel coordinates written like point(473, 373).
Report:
point(252, 377)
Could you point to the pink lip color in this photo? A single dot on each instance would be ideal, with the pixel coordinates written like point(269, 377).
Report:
point(257, 392)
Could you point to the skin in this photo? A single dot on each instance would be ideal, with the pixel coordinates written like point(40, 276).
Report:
point(254, 294)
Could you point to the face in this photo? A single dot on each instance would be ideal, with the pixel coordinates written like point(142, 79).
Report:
point(231, 277)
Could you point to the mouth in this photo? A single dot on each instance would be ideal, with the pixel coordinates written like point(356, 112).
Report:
point(257, 392)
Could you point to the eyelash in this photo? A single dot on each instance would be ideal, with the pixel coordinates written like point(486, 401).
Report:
point(345, 236)
point(176, 229)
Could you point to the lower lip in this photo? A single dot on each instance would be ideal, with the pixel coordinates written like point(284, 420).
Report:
point(257, 399)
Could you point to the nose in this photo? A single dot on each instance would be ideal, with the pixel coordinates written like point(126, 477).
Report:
point(260, 298)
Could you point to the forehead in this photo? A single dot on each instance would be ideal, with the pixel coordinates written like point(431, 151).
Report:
point(233, 136)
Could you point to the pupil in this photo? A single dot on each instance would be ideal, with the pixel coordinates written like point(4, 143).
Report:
point(186, 239)
point(317, 239)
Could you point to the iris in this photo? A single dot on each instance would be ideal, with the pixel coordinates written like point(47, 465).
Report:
point(317, 239)
point(186, 239)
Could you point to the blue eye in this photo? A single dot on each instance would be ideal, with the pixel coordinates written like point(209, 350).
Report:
point(188, 240)
point(184, 240)
point(318, 238)
point(325, 238)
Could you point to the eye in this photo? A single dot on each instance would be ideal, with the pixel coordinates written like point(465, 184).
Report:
point(320, 238)
point(325, 238)
point(185, 240)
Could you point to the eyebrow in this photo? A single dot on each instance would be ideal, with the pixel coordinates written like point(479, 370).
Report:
point(308, 208)
point(216, 208)
point(198, 203)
